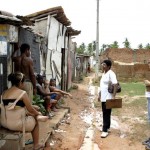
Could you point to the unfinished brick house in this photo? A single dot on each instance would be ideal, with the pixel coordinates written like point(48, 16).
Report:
point(129, 64)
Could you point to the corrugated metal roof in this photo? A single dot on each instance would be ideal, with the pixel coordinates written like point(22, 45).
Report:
point(5, 13)
point(72, 32)
point(58, 14)
point(8, 18)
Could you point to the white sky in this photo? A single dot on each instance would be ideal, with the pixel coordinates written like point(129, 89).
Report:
point(118, 19)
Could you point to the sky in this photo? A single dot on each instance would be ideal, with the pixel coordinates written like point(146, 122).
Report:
point(118, 19)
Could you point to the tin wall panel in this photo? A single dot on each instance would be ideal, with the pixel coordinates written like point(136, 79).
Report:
point(26, 36)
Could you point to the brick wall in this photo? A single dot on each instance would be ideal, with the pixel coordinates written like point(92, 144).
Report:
point(134, 72)
point(129, 64)
point(126, 55)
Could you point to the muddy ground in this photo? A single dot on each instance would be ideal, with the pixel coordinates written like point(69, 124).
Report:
point(81, 129)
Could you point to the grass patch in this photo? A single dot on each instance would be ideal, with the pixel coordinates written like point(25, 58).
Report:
point(133, 111)
point(132, 89)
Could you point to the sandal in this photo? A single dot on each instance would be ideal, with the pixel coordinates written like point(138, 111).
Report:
point(29, 141)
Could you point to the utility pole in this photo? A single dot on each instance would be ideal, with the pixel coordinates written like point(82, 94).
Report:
point(97, 40)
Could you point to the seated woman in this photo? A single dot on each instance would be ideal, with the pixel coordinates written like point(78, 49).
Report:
point(45, 94)
point(15, 93)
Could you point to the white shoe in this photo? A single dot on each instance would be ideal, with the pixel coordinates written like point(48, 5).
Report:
point(108, 130)
point(104, 134)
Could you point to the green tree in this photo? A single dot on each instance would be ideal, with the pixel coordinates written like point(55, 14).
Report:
point(94, 45)
point(103, 47)
point(140, 46)
point(90, 49)
point(126, 43)
point(147, 46)
point(108, 46)
point(81, 49)
point(114, 45)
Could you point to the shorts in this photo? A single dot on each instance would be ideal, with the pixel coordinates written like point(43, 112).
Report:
point(53, 96)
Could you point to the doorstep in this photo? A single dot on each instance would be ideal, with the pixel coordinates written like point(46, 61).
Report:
point(47, 128)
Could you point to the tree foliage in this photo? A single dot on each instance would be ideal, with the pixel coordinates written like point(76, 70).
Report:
point(91, 48)
point(81, 49)
point(104, 46)
point(147, 46)
point(126, 43)
point(114, 45)
point(140, 46)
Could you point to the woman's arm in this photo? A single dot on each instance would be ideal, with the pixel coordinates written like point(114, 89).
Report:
point(28, 105)
point(114, 82)
point(115, 91)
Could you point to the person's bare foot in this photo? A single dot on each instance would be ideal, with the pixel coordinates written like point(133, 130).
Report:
point(54, 109)
point(42, 118)
point(38, 147)
point(57, 106)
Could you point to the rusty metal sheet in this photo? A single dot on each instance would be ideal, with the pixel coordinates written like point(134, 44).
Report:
point(3, 30)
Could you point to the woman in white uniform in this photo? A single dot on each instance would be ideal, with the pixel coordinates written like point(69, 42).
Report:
point(107, 76)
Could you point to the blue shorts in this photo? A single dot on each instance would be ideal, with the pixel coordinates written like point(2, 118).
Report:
point(53, 96)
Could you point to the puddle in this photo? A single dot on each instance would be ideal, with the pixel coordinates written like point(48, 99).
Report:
point(89, 117)
point(88, 141)
point(52, 143)
point(59, 130)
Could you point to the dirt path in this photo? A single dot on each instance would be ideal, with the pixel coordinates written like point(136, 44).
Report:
point(84, 121)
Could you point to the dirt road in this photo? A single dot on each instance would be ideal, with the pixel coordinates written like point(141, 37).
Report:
point(81, 129)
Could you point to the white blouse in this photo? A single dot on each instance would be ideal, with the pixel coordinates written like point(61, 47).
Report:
point(107, 77)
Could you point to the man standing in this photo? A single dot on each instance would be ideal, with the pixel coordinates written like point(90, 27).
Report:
point(24, 64)
point(147, 95)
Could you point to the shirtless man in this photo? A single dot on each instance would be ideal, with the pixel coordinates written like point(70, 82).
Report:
point(59, 93)
point(24, 64)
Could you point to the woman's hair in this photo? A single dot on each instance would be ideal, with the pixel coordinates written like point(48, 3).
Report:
point(16, 78)
point(108, 63)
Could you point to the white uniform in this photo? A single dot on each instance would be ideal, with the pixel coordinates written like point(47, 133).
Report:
point(106, 78)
